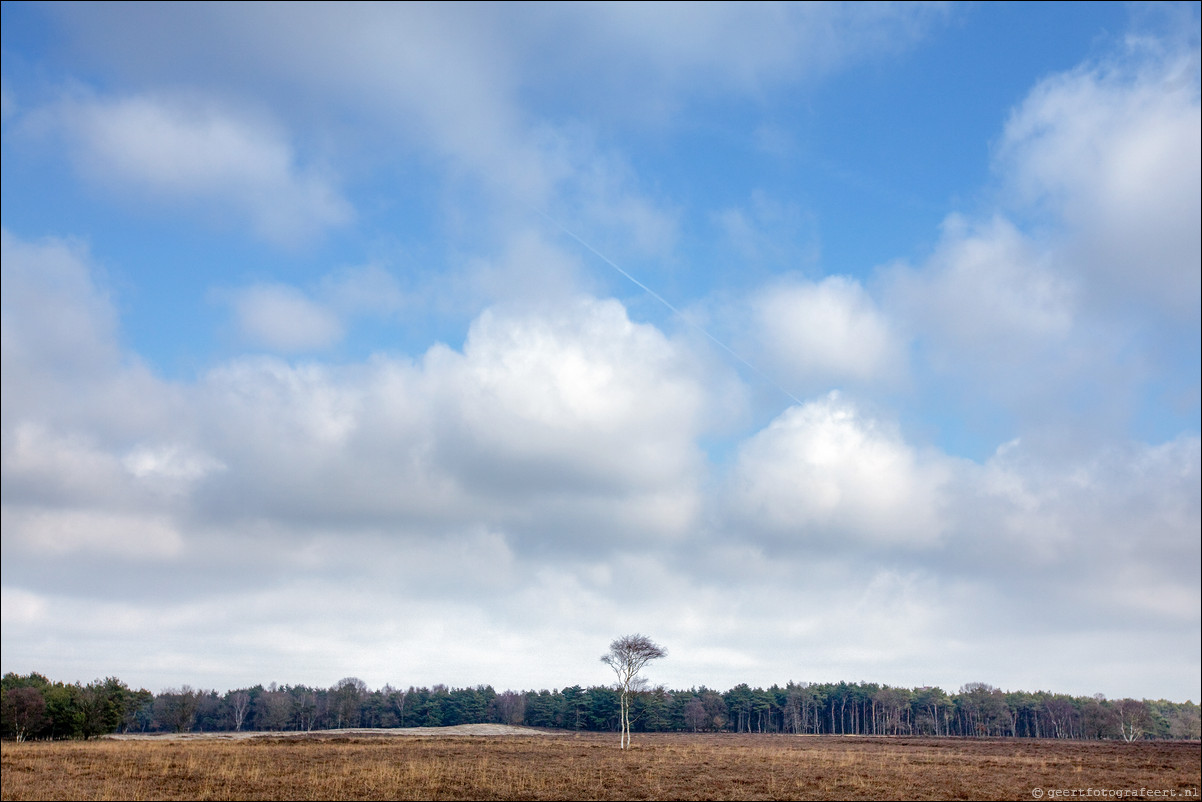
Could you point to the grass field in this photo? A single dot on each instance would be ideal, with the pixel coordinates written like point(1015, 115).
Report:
point(590, 766)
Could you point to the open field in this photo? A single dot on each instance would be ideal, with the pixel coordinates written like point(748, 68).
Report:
point(358, 765)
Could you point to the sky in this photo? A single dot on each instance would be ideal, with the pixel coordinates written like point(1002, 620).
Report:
point(446, 343)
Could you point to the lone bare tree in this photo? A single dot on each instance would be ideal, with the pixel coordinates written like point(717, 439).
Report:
point(627, 657)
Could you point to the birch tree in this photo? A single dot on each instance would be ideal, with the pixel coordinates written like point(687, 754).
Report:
point(1133, 719)
point(627, 656)
point(239, 706)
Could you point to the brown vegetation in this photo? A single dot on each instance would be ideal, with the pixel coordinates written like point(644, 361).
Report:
point(590, 766)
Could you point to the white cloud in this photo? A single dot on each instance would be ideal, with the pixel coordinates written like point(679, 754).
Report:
point(52, 532)
point(173, 464)
point(1060, 313)
point(656, 54)
point(20, 608)
point(69, 367)
point(67, 493)
point(1128, 509)
point(529, 270)
point(81, 337)
point(61, 469)
point(997, 329)
point(823, 474)
point(986, 294)
point(543, 417)
point(475, 498)
point(1115, 151)
point(286, 319)
point(584, 379)
point(819, 333)
point(74, 403)
point(580, 410)
point(459, 85)
point(280, 317)
point(548, 480)
point(190, 150)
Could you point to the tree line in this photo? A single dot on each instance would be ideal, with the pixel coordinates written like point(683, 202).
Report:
point(33, 707)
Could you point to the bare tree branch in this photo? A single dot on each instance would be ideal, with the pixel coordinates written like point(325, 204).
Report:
point(627, 656)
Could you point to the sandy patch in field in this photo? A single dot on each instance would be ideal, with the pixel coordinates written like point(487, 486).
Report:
point(355, 732)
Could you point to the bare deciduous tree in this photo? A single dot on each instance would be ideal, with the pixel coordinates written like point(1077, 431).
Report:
point(627, 657)
point(1133, 719)
point(239, 706)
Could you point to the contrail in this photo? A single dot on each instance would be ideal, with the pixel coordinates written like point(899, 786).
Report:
point(669, 305)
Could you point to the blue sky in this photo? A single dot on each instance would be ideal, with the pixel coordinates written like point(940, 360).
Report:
point(323, 357)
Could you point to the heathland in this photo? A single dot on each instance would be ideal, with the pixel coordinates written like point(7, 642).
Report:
point(442, 764)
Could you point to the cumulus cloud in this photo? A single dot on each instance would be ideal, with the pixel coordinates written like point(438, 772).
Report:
point(280, 317)
point(1085, 304)
point(529, 270)
point(573, 421)
point(67, 493)
point(1113, 149)
point(816, 334)
point(552, 463)
point(992, 316)
point(986, 291)
point(413, 517)
point(541, 418)
point(823, 474)
point(1121, 516)
point(192, 151)
point(69, 367)
point(55, 274)
point(95, 451)
point(585, 380)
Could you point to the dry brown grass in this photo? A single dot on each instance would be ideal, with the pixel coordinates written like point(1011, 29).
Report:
point(590, 766)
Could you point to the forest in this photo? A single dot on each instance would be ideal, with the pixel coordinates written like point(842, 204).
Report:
point(34, 707)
